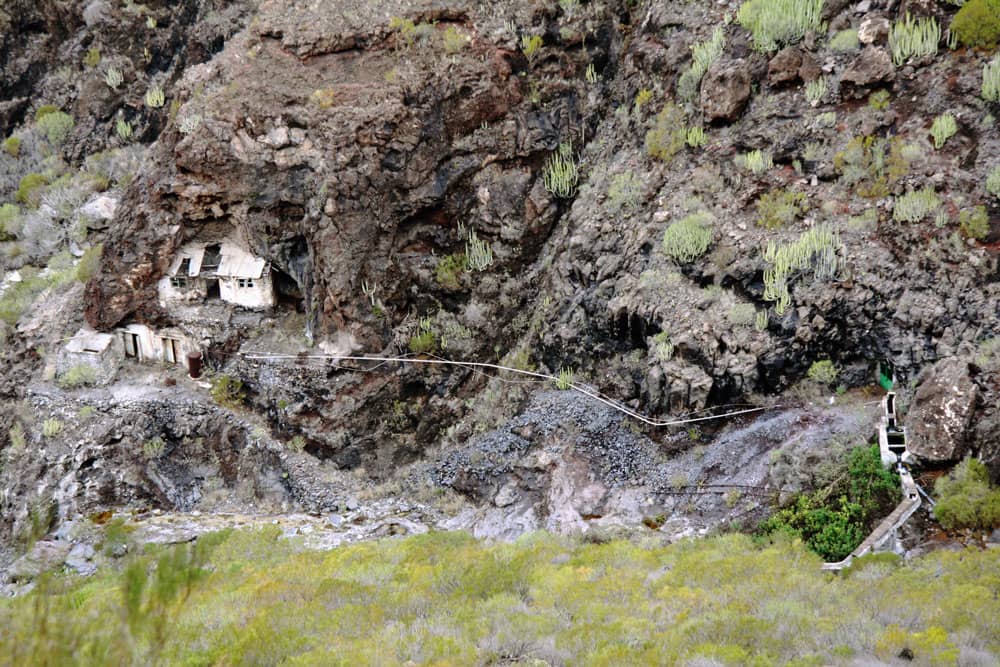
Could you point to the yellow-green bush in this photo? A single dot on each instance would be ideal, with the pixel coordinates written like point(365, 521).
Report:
point(12, 146)
point(780, 207)
point(55, 125)
point(668, 135)
point(78, 376)
point(251, 597)
point(776, 23)
point(689, 238)
point(27, 188)
point(967, 499)
point(977, 24)
point(228, 391)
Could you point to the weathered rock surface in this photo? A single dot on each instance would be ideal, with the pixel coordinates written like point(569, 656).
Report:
point(791, 64)
point(941, 412)
point(568, 463)
point(872, 66)
point(725, 90)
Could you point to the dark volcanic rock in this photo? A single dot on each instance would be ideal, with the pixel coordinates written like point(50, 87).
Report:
point(872, 66)
point(725, 90)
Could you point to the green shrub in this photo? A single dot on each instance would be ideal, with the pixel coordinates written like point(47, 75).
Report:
point(78, 376)
point(967, 499)
point(668, 135)
point(977, 24)
point(815, 249)
point(92, 58)
point(913, 38)
point(993, 182)
point(742, 314)
point(423, 342)
point(815, 90)
point(703, 54)
point(915, 205)
point(560, 173)
point(51, 428)
point(44, 111)
point(780, 207)
point(943, 128)
point(696, 137)
point(991, 80)
point(449, 269)
point(879, 100)
point(871, 164)
point(845, 40)
point(974, 222)
point(17, 436)
point(624, 192)
point(27, 189)
point(689, 238)
point(823, 372)
point(154, 97)
point(12, 146)
point(531, 46)
point(756, 161)
point(833, 521)
point(56, 126)
point(454, 40)
point(642, 98)
point(9, 213)
point(89, 263)
point(776, 23)
point(153, 449)
point(228, 391)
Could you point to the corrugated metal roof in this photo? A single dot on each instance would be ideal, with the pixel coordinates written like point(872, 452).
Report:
point(193, 252)
point(237, 263)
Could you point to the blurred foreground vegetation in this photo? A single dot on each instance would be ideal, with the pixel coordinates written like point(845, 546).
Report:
point(447, 599)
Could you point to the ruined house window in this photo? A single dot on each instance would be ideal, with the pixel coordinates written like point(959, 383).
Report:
point(179, 282)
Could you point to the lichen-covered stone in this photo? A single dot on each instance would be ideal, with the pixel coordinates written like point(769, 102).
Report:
point(942, 408)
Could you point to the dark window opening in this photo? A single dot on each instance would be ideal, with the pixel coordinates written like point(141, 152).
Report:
point(212, 258)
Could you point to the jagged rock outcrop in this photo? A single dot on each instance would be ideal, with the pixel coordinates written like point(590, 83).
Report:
point(363, 157)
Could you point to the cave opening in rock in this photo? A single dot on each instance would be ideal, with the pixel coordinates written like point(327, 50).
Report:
point(287, 291)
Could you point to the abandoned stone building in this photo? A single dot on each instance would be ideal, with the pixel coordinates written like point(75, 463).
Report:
point(217, 270)
point(99, 352)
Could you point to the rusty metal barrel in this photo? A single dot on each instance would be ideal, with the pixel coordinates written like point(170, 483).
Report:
point(194, 364)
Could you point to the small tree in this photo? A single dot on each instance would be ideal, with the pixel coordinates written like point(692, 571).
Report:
point(967, 499)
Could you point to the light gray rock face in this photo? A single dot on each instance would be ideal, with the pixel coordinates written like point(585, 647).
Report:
point(44, 556)
point(941, 412)
point(725, 90)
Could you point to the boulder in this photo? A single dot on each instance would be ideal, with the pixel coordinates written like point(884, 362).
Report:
point(725, 90)
point(45, 555)
point(873, 30)
point(791, 64)
point(941, 412)
point(872, 66)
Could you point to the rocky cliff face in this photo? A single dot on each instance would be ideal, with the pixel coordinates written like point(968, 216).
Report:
point(372, 152)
